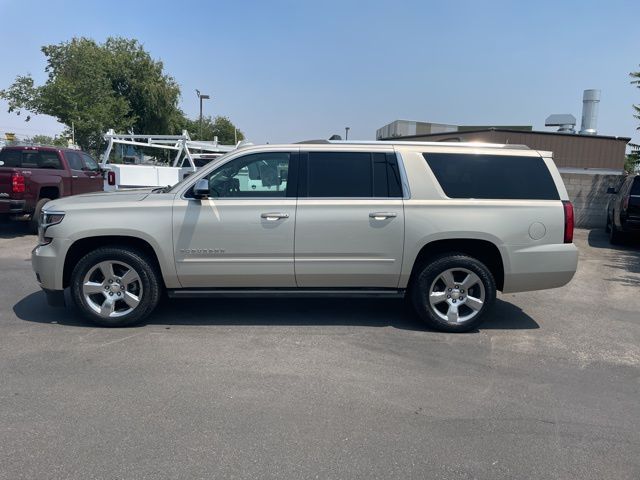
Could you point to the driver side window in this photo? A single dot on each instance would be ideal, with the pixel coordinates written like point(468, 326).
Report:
point(259, 175)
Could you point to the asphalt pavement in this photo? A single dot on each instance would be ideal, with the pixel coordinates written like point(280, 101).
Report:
point(548, 388)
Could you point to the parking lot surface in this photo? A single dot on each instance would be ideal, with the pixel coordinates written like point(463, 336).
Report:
point(291, 388)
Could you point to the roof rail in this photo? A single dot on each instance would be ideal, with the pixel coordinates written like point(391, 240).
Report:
point(426, 144)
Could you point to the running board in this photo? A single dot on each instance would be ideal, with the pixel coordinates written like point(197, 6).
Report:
point(284, 292)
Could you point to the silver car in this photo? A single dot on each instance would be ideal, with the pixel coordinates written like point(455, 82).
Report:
point(446, 225)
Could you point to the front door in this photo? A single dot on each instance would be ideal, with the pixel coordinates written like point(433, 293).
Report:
point(81, 181)
point(349, 221)
point(92, 169)
point(242, 236)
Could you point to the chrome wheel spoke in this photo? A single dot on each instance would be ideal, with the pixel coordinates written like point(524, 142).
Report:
point(469, 281)
point(108, 307)
point(131, 299)
point(447, 278)
point(452, 314)
point(437, 297)
point(130, 277)
point(474, 303)
point(106, 268)
point(90, 288)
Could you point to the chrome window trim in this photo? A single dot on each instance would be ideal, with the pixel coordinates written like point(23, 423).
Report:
point(201, 173)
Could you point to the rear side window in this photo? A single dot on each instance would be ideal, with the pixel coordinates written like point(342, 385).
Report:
point(350, 175)
point(492, 176)
point(30, 159)
point(635, 188)
point(11, 158)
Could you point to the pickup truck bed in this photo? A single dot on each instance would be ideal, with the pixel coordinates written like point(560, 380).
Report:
point(29, 176)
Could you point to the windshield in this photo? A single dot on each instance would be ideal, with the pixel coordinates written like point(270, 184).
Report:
point(215, 161)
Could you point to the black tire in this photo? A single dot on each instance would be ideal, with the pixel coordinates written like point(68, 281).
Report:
point(35, 217)
point(616, 237)
point(429, 275)
point(148, 281)
point(607, 227)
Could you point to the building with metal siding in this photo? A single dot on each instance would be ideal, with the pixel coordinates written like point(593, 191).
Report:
point(570, 151)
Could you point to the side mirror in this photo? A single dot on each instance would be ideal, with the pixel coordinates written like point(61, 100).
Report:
point(611, 191)
point(201, 189)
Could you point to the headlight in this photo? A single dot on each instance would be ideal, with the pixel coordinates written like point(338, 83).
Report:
point(47, 218)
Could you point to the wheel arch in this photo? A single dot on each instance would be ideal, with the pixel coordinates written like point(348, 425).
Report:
point(85, 245)
point(485, 251)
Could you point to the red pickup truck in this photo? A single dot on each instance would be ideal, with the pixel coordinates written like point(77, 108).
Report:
point(31, 176)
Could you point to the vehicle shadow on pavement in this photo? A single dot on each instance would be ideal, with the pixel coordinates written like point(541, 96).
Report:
point(14, 229)
point(276, 311)
point(625, 257)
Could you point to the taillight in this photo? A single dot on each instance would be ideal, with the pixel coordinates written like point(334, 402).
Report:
point(568, 221)
point(111, 178)
point(17, 183)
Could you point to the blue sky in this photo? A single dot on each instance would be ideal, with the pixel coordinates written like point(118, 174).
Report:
point(293, 70)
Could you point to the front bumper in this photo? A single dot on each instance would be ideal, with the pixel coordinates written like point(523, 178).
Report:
point(48, 264)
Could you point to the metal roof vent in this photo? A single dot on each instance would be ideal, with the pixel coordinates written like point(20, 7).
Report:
point(590, 101)
point(565, 121)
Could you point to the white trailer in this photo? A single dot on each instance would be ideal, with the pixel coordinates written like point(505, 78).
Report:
point(189, 156)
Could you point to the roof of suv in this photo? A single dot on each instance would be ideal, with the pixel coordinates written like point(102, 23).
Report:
point(427, 144)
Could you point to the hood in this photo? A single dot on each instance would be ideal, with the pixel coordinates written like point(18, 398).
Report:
point(98, 199)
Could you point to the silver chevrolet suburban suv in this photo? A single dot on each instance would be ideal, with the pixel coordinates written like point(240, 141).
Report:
point(444, 224)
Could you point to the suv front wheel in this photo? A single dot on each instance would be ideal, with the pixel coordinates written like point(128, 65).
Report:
point(453, 292)
point(115, 286)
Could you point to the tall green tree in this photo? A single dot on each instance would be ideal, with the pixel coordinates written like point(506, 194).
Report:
point(221, 127)
point(96, 86)
point(47, 140)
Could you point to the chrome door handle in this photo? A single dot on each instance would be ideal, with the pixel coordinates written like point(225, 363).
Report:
point(74, 176)
point(382, 215)
point(274, 216)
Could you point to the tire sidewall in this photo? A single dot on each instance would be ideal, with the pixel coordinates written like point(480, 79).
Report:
point(35, 216)
point(428, 274)
point(148, 280)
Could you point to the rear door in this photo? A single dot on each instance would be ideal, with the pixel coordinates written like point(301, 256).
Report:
point(349, 220)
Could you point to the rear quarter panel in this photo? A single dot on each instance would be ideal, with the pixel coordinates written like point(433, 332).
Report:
point(520, 229)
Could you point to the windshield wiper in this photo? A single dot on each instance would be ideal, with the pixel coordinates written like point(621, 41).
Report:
point(162, 189)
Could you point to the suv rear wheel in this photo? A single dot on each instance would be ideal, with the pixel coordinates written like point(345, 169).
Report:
point(453, 292)
point(115, 287)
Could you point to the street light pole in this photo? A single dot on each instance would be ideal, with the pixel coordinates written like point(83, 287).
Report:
point(346, 132)
point(201, 97)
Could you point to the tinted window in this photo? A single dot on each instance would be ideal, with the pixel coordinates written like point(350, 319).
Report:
point(75, 160)
point(352, 175)
point(50, 160)
point(30, 159)
point(635, 189)
point(257, 175)
point(492, 176)
point(90, 163)
point(11, 158)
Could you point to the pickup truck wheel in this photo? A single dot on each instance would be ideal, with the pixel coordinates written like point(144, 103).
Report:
point(35, 216)
point(615, 236)
point(453, 292)
point(115, 287)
